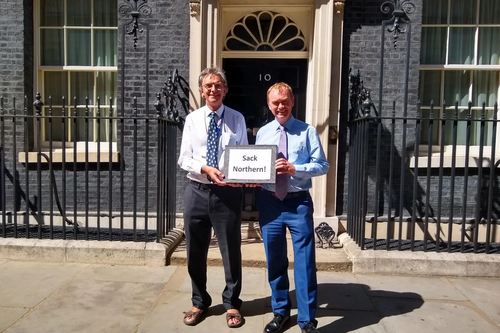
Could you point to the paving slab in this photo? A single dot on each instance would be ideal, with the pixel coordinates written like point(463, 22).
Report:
point(343, 296)
point(336, 277)
point(121, 273)
point(349, 321)
point(484, 293)
point(335, 291)
point(409, 287)
point(91, 306)
point(9, 316)
point(2, 261)
point(26, 284)
point(432, 316)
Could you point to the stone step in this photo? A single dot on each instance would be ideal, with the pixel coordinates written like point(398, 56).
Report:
point(253, 255)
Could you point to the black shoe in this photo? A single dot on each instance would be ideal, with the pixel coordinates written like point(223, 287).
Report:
point(309, 328)
point(276, 324)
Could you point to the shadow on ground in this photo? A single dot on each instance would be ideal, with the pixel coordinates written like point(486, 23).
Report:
point(355, 305)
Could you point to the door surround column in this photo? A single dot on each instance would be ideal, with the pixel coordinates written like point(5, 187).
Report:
point(203, 43)
point(318, 92)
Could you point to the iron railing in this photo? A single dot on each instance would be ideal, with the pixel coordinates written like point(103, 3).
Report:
point(441, 195)
point(118, 188)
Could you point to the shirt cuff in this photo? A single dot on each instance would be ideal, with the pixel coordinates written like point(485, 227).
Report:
point(197, 166)
point(300, 168)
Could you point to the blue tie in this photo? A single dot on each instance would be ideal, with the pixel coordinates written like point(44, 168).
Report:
point(281, 187)
point(212, 143)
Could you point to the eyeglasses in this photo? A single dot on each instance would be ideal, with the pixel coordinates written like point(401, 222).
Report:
point(217, 86)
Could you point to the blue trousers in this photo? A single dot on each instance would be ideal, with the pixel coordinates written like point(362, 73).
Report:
point(275, 216)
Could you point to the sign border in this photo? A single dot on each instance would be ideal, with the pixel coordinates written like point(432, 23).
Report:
point(227, 156)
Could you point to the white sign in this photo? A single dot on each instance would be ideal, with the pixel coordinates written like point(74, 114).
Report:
point(250, 164)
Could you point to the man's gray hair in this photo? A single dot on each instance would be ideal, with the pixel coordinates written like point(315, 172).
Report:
point(214, 70)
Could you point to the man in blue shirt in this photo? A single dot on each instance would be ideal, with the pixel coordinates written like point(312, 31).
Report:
point(289, 204)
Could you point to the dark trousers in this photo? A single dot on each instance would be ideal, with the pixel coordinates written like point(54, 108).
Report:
point(217, 207)
point(296, 214)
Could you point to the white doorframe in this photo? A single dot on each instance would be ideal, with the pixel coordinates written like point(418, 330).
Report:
point(324, 72)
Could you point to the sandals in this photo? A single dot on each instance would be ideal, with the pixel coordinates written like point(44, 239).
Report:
point(234, 315)
point(196, 317)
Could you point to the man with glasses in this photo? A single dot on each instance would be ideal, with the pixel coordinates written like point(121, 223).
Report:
point(210, 202)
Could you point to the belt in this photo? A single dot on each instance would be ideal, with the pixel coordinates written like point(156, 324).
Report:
point(288, 196)
point(201, 186)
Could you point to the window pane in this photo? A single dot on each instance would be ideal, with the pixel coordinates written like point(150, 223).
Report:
point(79, 12)
point(55, 85)
point(106, 87)
point(430, 87)
point(434, 11)
point(433, 46)
point(51, 13)
point(461, 127)
point(85, 122)
point(475, 131)
point(105, 13)
point(475, 137)
point(51, 47)
point(489, 12)
point(489, 46)
point(485, 88)
point(78, 47)
point(107, 127)
point(55, 131)
point(82, 85)
point(461, 49)
point(463, 11)
point(105, 47)
point(425, 133)
point(456, 87)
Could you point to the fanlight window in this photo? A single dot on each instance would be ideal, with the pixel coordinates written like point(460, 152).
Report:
point(265, 31)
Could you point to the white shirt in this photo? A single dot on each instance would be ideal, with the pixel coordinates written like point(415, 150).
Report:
point(193, 153)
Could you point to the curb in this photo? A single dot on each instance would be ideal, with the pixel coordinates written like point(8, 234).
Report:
point(420, 263)
point(92, 252)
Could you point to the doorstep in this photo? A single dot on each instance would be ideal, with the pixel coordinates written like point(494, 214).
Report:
point(253, 255)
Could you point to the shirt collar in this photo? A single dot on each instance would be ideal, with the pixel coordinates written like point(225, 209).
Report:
point(288, 125)
point(218, 111)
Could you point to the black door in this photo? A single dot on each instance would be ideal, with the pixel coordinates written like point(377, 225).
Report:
point(248, 81)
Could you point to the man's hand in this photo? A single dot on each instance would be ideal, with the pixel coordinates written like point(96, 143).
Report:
point(284, 167)
point(214, 174)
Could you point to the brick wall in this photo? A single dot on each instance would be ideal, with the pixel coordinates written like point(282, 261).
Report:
point(168, 50)
point(362, 50)
point(168, 47)
point(16, 40)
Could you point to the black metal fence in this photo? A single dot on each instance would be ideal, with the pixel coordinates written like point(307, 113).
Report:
point(86, 173)
point(424, 183)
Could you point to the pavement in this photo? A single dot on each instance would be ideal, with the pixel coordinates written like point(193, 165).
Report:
point(76, 297)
